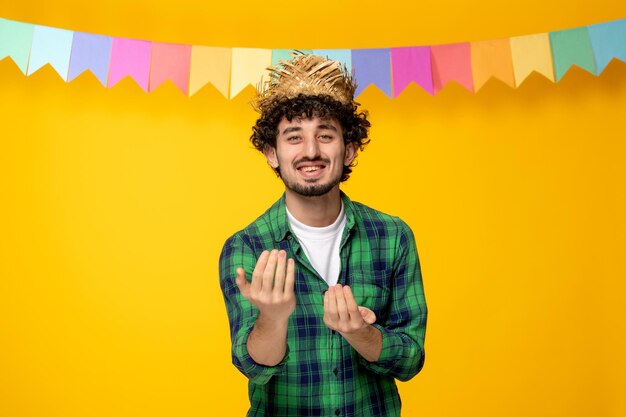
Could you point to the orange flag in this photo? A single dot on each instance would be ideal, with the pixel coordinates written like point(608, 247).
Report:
point(492, 59)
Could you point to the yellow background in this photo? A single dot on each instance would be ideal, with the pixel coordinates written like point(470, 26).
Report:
point(114, 205)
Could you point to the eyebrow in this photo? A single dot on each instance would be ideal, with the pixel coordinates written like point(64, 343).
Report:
point(291, 129)
point(298, 128)
point(329, 127)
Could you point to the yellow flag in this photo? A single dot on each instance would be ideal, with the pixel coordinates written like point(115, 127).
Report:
point(248, 67)
point(531, 53)
point(209, 65)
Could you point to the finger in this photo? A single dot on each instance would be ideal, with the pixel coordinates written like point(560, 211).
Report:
point(279, 277)
point(270, 271)
point(353, 309)
point(332, 305)
point(242, 282)
point(368, 315)
point(257, 274)
point(342, 308)
point(290, 277)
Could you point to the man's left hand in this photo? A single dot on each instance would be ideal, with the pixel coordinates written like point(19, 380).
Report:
point(342, 314)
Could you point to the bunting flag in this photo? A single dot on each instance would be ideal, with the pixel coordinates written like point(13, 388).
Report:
point(170, 61)
point(210, 65)
point(452, 63)
point(130, 57)
point(372, 66)
point(51, 46)
point(492, 59)
point(608, 42)
point(248, 67)
point(93, 53)
point(531, 53)
point(412, 64)
point(391, 70)
point(571, 47)
point(16, 39)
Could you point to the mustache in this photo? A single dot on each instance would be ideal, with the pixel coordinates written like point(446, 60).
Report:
point(306, 159)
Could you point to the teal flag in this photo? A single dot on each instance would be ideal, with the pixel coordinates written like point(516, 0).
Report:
point(283, 54)
point(608, 41)
point(15, 41)
point(571, 47)
point(341, 55)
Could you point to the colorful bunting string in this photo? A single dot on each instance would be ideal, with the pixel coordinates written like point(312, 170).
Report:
point(391, 70)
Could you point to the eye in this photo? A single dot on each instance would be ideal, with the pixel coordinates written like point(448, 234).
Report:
point(293, 138)
point(325, 138)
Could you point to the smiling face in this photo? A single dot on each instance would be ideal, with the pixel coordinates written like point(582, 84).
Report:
point(310, 154)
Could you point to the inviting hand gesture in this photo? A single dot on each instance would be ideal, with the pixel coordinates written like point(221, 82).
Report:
point(271, 289)
point(342, 314)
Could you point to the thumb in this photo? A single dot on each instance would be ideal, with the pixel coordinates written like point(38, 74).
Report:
point(368, 315)
point(242, 282)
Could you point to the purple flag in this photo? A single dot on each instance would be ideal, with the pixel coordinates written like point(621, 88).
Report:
point(411, 64)
point(90, 52)
point(372, 66)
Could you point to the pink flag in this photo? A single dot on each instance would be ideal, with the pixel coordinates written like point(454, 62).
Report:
point(130, 57)
point(452, 63)
point(411, 64)
point(170, 62)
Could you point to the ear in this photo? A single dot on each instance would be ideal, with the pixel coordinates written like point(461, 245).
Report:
point(270, 155)
point(351, 151)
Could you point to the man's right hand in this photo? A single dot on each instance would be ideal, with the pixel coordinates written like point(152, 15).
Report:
point(271, 287)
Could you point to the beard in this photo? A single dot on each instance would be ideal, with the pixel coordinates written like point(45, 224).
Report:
point(311, 189)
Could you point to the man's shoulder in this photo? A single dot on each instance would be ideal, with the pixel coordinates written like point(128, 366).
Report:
point(261, 229)
point(373, 218)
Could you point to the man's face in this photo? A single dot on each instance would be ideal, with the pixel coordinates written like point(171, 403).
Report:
point(310, 155)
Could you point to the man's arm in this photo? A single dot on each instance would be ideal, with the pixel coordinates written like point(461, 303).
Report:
point(400, 350)
point(271, 292)
point(237, 254)
point(342, 314)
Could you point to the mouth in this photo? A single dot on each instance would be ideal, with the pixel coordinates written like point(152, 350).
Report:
point(311, 170)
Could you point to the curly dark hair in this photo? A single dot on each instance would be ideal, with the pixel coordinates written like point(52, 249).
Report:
point(353, 123)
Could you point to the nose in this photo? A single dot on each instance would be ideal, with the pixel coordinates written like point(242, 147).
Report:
point(311, 147)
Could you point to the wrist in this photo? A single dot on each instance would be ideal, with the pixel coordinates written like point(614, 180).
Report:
point(271, 323)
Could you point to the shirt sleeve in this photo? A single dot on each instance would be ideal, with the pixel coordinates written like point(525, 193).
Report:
point(241, 313)
point(404, 328)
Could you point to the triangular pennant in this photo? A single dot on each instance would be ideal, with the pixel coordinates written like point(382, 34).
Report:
point(372, 66)
point(571, 47)
point(16, 39)
point(452, 62)
point(531, 53)
point(608, 41)
point(51, 46)
point(90, 52)
point(492, 59)
point(342, 55)
point(130, 57)
point(411, 64)
point(170, 61)
point(210, 65)
point(249, 67)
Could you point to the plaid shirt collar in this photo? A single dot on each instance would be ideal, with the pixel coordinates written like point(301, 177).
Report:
point(280, 224)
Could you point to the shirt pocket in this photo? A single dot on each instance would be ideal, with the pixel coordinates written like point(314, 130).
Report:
point(371, 290)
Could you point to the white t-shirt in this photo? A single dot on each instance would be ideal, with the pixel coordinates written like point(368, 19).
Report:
point(321, 245)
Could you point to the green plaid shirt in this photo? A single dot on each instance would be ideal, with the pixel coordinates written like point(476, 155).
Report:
point(321, 374)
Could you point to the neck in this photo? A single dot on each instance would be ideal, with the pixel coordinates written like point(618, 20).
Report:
point(314, 211)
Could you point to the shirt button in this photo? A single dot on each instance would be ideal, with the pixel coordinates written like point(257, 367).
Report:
point(337, 412)
point(335, 371)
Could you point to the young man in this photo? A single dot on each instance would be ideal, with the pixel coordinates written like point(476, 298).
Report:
point(324, 295)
